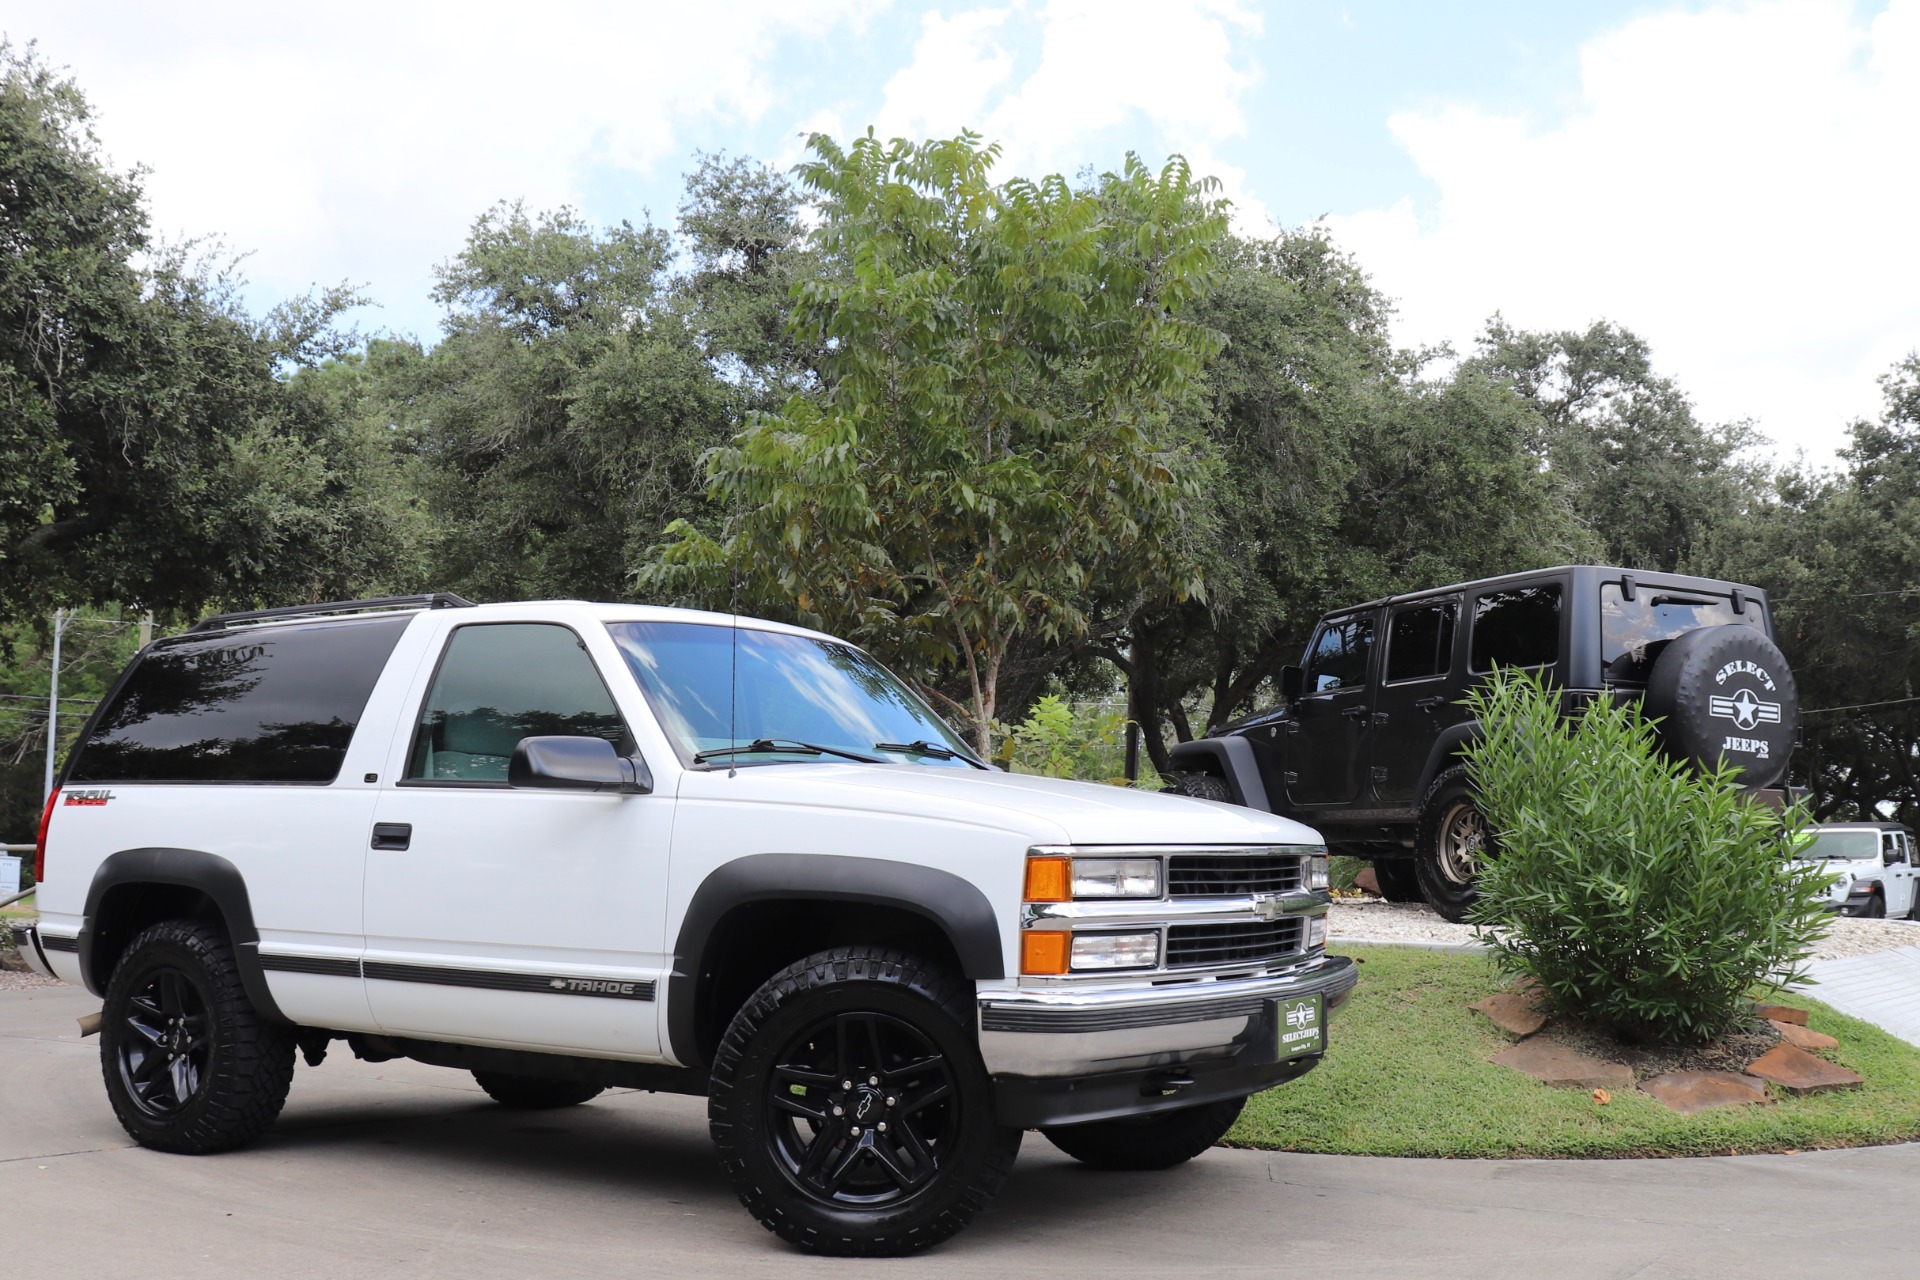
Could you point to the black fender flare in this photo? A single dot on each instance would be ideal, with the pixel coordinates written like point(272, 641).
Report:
point(957, 906)
point(1234, 760)
point(207, 873)
point(1446, 753)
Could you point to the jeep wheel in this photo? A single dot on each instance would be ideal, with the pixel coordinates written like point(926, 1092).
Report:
point(1876, 908)
point(1453, 838)
point(531, 1093)
point(190, 1066)
point(851, 1110)
point(1399, 880)
point(1204, 786)
point(1158, 1141)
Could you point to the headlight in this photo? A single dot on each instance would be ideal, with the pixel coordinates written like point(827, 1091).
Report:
point(1316, 932)
point(1115, 951)
point(1317, 871)
point(1116, 877)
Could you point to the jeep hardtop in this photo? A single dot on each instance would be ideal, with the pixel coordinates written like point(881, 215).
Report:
point(1366, 745)
point(570, 846)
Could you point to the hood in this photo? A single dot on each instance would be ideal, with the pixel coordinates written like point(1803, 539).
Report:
point(1048, 810)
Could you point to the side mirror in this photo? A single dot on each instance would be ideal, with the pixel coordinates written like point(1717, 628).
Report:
point(1292, 682)
point(576, 764)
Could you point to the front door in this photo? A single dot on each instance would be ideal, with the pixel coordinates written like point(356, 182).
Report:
point(1327, 727)
point(1901, 879)
point(1417, 696)
point(519, 917)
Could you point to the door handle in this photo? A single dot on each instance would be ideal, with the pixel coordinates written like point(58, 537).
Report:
point(392, 835)
point(1355, 713)
point(1428, 704)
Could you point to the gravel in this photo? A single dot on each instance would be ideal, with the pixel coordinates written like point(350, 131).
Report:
point(1371, 920)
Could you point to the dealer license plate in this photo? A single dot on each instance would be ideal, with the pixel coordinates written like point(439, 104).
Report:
point(1302, 1026)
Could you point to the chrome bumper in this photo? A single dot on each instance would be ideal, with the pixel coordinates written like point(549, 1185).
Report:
point(1059, 1032)
point(26, 940)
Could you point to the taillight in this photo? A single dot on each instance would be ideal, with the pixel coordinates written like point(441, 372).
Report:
point(40, 841)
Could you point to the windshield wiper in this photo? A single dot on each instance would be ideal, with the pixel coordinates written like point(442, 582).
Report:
point(921, 747)
point(783, 746)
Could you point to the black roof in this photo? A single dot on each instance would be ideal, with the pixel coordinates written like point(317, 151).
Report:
point(1648, 577)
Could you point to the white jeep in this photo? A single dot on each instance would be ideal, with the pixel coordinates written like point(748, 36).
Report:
point(571, 846)
point(1873, 865)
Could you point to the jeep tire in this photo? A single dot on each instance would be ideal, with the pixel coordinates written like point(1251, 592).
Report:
point(1399, 879)
point(531, 1093)
point(190, 1066)
point(851, 1109)
point(1141, 1143)
point(1726, 692)
point(1204, 786)
point(1452, 838)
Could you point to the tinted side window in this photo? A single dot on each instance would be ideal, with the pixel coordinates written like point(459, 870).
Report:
point(1338, 658)
point(499, 683)
point(1517, 628)
point(1420, 642)
point(271, 704)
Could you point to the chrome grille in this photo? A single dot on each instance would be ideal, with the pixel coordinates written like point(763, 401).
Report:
point(1230, 875)
point(1226, 944)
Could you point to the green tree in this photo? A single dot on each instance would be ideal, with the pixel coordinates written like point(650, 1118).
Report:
point(150, 449)
point(992, 444)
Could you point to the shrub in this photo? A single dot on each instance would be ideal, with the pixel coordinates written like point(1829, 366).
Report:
point(1067, 740)
point(1642, 896)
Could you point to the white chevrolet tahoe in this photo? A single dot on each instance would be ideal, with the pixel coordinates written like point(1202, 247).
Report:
point(570, 847)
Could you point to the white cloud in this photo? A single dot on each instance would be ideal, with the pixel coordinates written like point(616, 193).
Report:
point(359, 141)
point(1735, 184)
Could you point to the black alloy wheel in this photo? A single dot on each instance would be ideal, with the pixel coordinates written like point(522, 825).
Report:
point(862, 1108)
point(850, 1106)
point(164, 1062)
point(190, 1066)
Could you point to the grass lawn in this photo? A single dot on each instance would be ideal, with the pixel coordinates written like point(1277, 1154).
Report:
point(1407, 1074)
point(24, 907)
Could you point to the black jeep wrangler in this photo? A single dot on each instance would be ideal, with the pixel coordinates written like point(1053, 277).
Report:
point(1366, 747)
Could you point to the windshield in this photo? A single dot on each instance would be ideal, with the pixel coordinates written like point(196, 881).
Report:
point(796, 692)
point(1843, 844)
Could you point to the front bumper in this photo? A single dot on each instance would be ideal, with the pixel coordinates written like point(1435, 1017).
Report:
point(1061, 1056)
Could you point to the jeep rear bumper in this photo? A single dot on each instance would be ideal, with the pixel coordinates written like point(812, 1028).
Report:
point(1061, 1056)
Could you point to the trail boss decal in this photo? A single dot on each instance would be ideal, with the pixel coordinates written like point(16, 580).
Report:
point(85, 797)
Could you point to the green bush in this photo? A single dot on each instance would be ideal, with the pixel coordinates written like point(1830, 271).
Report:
point(1074, 740)
point(1642, 896)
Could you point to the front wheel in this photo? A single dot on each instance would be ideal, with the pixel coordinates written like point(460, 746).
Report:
point(1876, 908)
point(1204, 786)
point(851, 1110)
point(1158, 1141)
point(1452, 841)
point(190, 1065)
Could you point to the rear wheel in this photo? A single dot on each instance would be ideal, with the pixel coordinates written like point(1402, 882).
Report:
point(531, 1093)
point(190, 1065)
point(1398, 880)
point(850, 1107)
point(1158, 1141)
point(1453, 839)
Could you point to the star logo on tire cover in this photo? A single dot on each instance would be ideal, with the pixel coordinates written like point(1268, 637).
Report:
point(1745, 709)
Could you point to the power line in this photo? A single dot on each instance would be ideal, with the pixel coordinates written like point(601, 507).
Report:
point(1862, 706)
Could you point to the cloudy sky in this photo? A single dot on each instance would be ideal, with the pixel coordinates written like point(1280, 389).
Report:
point(1734, 180)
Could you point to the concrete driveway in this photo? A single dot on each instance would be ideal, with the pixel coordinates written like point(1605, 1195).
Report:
point(405, 1170)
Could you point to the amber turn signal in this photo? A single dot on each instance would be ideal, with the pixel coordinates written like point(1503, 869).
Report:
point(1049, 880)
point(1044, 951)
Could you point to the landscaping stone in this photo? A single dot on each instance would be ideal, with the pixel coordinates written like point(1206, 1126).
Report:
point(1798, 1071)
point(1690, 1091)
point(1782, 1013)
point(1562, 1068)
point(1801, 1038)
point(1515, 1012)
point(1367, 880)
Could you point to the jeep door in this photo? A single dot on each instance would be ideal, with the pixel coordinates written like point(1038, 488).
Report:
point(506, 915)
point(1327, 729)
point(1417, 697)
point(1901, 878)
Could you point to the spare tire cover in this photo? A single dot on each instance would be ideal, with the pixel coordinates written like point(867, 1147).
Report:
point(1726, 693)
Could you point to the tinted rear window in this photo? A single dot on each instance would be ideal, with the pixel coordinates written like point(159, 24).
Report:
point(275, 704)
point(1633, 632)
point(1519, 627)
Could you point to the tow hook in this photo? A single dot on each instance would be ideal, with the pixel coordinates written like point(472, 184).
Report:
point(1165, 1083)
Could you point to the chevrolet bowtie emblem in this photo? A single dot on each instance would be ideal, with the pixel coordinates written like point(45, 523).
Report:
point(1268, 906)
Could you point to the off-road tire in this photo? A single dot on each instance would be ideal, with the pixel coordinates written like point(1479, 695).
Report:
point(1141, 1143)
point(1399, 879)
point(1876, 908)
point(236, 1066)
point(531, 1093)
point(1204, 786)
point(853, 987)
point(1448, 807)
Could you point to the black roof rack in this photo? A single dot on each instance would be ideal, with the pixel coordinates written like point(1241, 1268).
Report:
point(432, 600)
